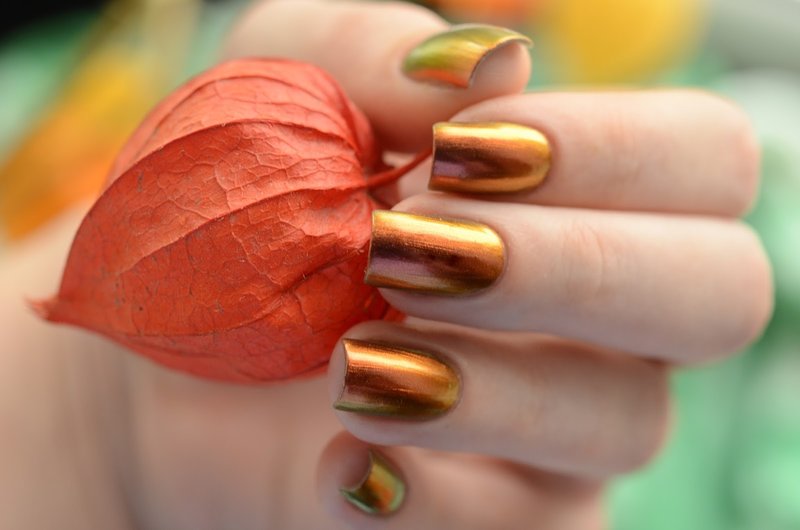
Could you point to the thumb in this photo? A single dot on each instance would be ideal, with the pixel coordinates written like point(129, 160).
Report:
point(400, 63)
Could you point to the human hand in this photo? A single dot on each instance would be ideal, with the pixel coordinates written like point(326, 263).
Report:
point(627, 259)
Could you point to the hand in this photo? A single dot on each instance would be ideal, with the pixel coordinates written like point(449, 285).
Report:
point(551, 360)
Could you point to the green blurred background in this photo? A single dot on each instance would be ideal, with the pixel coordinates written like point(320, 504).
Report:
point(76, 80)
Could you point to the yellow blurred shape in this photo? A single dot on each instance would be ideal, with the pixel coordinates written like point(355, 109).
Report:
point(611, 41)
point(66, 157)
point(133, 54)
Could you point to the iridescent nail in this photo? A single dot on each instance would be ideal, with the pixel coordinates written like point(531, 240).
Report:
point(451, 57)
point(493, 157)
point(402, 383)
point(381, 491)
point(432, 255)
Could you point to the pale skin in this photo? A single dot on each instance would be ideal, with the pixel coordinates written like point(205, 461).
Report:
point(642, 265)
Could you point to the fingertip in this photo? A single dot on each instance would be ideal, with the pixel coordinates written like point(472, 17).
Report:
point(449, 83)
point(343, 463)
point(338, 363)
point(504, 71)
point(336, 372)
point(358, 483)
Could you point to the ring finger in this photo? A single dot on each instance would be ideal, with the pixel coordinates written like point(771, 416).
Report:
point(557, 406)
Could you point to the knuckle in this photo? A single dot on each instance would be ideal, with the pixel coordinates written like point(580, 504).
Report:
point(653, 417)
point(748, 147)
point(757, 292)
point(746, 163)
point(624, 134)
point(739, 144)
point(645, 421)
point(591, 259)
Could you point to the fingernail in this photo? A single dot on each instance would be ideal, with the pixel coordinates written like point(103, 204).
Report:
point(381, 491)
point(401, 383)
point(451, 57)
point(432, 255)
point(492, 157)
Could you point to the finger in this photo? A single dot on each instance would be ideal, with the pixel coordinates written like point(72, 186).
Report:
point(364, 46)
point(441, 491)
point(675, 151)
point(557, 406)
point(676, 288)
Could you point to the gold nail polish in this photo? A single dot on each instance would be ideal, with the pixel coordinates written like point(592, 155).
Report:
point(432, 255)
point(492, 157)
point(402, 383)
point(451, 57)
point(381, 491)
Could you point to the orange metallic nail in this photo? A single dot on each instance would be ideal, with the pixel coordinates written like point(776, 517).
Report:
point(403, 383)
point(451, 57)
point(432, 255)
point(381, 491)
point(493, 157)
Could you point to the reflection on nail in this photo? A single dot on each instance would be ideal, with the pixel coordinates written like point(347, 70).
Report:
point(493, 157)
point(451, 57)
point(402, 383)
point(381, 491)
point(432, 255)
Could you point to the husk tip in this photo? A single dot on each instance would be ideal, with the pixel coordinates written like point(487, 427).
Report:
point(44, 308)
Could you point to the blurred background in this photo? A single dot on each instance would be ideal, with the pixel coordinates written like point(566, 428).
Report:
point(77, 77)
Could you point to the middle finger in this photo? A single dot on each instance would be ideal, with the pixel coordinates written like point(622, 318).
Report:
point(670, 287)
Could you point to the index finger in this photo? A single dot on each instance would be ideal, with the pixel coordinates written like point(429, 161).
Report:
point(365, 46)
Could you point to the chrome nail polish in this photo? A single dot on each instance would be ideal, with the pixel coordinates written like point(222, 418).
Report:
point(494, 157)
point(381, 491)
point(451, 57)
point(398, 382)
point(432, 255)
